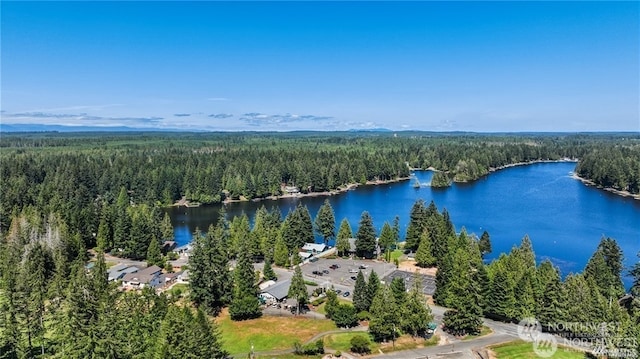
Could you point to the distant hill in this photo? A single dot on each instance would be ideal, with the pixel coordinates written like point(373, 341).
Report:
point(33, 127)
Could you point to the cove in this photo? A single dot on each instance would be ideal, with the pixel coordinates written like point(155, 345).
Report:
point(564, 218)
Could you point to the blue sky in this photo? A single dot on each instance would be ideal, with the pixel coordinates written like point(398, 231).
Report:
point(439, 66)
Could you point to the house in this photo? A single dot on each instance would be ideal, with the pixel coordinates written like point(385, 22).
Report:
point(183, 277)
point(314, 248)
point(352, 245)
point(291, 189)
point(118, 271)
point(185, 249)
point(277, 292)
point(305, 255)
point(168, 246)
point(150, 276)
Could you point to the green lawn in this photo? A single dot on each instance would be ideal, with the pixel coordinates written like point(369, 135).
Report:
point(179, 287)
point(268, 333)
point(396, 254)
point(342, 341)
point(523, 350)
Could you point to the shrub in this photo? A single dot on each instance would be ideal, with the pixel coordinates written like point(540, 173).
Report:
point(314, 348)
point(360, 344)
point(364, 315)
point(338, 353)
point(310, 283)
point(319, 301)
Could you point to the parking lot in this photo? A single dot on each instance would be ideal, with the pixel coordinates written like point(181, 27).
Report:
point(343, 277)
point(427, 284)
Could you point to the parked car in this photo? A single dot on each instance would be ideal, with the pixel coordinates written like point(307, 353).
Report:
point(346, 294)
point(317, 272)
point(363, 266)
point(353, 270)
point(334, 266)
point(325, 271)
point(313, 259)
point(338, 291)
point(354, 277)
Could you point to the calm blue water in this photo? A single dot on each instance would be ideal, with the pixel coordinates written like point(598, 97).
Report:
point(564, 218)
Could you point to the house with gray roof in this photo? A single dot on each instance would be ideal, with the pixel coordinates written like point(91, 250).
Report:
point(150, 276)
point(118, 271)
point(277, 292)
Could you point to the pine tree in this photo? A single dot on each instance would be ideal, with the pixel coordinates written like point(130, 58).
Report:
point(267, 271)
point(281, 253)
point(386, 240)
point(325, 223)
point(331, 303)
point(166, 229)
point(360, 293)
point(342, 241)
point(373, 285)
point(210, 282)
point(635, 274)
point(154, 255)
point(416, 313)
point(297, 289)
point(485, 243)
point(417, 224)
point(424, 258)
point(399, 290)
point(385, 315)
point(366, 237)
point(245, 303)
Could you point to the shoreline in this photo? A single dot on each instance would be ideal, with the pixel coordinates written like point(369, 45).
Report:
point(495, 169)
point(608, 189)
point(351, 186)
point(340, 190)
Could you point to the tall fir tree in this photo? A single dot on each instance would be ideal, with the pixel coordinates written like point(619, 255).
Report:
point(366, 237)
point(485, 243)
point(325, 223)
point(297, 289)
point(360, 293)
point(417, 224)
point(210, 280)
point(385, 316)
point(386, 241)
point(281, 253)
point(373, 285)
point(424, 257)
point(267, 271)
point(244, 303)
point(415, 311)
point(399, 290)
point(342, 241)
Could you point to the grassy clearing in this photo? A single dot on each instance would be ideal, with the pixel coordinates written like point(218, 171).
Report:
point(181, 288)
point(396, 254)
point(342, 341)
point(268, 333)
point(523, 350)
point(290, 356)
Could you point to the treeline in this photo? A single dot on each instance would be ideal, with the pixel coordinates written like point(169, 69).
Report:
point(53, 306)
point(513, 287)
point(72, 175)
point(612, 167)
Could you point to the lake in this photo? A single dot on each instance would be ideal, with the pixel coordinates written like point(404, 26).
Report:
point(564, 218)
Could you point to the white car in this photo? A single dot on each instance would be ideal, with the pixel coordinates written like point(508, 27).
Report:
point(353, 271)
